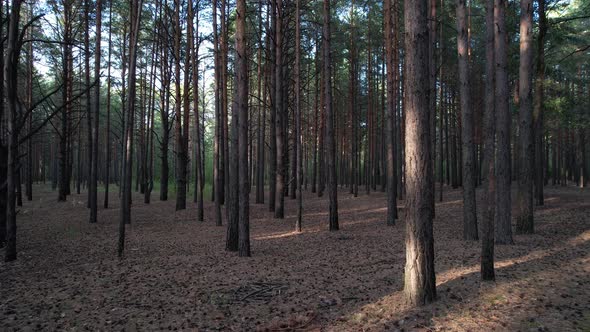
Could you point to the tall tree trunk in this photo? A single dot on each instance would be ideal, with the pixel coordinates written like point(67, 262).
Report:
point(94, 167)
point(11, 80)
point(181, 159)
point(330, 140)
point(260, 161)
point(440, 114)
point(469, 213)
point(108, 128)
point(135, 19)
point(242, 106)
point(392, 94)
point(4, 144)
point(354, 153)
point(298, 136)
point(280, 113)
point(233, 193)
point(218, 145)
point(420, 285)
point(538, 99)
point(489, 186)
point(164, 118)
point(29, 104)
point(503, 201)
point(322, 139)
point(89, 108)
point(63, 178)
point(199, 144)
point(273, 111)
point(524, 197)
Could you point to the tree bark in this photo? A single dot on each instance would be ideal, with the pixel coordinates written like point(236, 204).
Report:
point(93, 188)
point(330, 140)
point(135, 19)
point(469, 203)
point(217, 145)
point(11, 79)
point(181, 158)
point(108, 127)
point(280, 113)
point(420, 285)
point(503, 197)
point(298, 135)
point(242, 105)
point(392, 100)
point(538, 111)
point(489, 185)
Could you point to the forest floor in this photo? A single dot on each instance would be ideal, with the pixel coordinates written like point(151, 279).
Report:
point(176, 274)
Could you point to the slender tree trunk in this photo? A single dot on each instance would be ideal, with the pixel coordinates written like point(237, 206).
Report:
point(298, 135)
point(280, 113)
point(273, 111)
point(199, 185)
point(420, 285)
point(233, 194)
point(11, 79)
point(524, 197)
point(469, 202)
point(260, 161)
point(242, 105)
point(330, 140)
point(93, 188)
point(4, 148)
point(392, 94)
point(128, 151)
point(538, 111)
point(108, 128)
point(440, 115)
point(89, 108)
point(503, 228)
point(218, 145)
point(489, 186)
point(29, 104)
point(181, 159)
point(322, 133)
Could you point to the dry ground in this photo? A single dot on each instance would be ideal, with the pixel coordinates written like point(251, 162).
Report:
point(176, 274)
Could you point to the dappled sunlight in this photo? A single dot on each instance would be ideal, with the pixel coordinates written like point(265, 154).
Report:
point(466, 311)
point(455, 202)
point(580, 239)
point(282, 235)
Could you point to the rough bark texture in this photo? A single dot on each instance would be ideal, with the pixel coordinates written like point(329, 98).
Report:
point(128, 169)
point(538, 98)
point(272, 167)
point(298, 136)
point(199, 177)
point(419, 284)
point(242, 105)
point(232, 197)
point(217, 145)
point(280, 113)
point(489, 185)
point(96, 103)
point(469, 212)
point(392, 92)
point(107, 170)
point(181, 158)
point(330, 141)
point(524, 201)
point(11, 79)
point(503, 197)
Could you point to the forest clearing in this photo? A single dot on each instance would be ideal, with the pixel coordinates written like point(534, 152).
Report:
point(177, 274)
